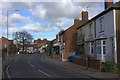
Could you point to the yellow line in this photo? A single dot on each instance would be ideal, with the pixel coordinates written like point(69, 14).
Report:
point(7, 69)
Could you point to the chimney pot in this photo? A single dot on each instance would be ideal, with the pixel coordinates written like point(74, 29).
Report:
point(108, 3)
point(76, 20)
point(84, 15)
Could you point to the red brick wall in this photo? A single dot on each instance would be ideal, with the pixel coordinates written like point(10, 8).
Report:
point(56, 56)
point(93, 63)
point(40, 43)
point(81, 62)
point(71, 35)
point(55, 41)
point(3, 41)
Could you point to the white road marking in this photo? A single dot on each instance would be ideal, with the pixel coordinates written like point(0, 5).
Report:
point(36, 68)
point(44, 73)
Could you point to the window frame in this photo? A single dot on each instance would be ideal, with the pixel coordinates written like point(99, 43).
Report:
point(102, 25)
point(91, 28)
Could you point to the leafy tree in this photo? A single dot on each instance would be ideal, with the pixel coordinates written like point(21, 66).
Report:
point(23, 39)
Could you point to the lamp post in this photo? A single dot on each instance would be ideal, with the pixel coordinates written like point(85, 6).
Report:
point(7, 30)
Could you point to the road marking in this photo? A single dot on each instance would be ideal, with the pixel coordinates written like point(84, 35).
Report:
point(8, 68)
point(36, 68)
point(7, 71)
point(44, 73)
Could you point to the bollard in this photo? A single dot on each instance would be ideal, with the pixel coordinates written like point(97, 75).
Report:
point(86, 63)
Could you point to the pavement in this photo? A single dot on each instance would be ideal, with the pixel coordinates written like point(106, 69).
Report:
point(81, 70)
point(5, 63)
point(0, 67)
point(35, 66)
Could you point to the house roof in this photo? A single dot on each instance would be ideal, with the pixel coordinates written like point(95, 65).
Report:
point(115, 6)
point(61, 32)
point(3, 37)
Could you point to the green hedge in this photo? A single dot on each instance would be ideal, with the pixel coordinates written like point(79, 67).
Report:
point(109, 66)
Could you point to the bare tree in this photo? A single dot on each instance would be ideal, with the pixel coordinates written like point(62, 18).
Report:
point(23, 39)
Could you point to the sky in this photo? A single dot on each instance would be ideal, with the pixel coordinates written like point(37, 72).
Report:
point(44, 19)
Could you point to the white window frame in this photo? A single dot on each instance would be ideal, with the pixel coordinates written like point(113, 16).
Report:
point(91, 29)
point(102, 25)
point(103, 45)
point(98, 46)
point(88, 47)
point(91, 47)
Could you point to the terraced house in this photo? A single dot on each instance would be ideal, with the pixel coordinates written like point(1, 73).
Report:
point(100, 35)
point(68, 38)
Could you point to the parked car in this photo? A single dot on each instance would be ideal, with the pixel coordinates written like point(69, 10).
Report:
point(31, 52)
point(74, 55)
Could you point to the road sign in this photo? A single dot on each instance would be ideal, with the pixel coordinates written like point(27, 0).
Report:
point(60, 45)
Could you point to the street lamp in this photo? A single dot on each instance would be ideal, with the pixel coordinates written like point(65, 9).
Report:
point(7, 29)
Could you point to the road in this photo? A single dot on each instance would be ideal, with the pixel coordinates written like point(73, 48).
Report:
point(34, 66)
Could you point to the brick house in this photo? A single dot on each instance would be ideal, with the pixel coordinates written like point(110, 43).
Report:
point(11, 47)
point(55, 46)
point(39, 43)
point(70, 36)
point(62, 43)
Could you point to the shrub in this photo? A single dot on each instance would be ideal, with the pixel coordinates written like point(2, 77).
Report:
point(109, 66)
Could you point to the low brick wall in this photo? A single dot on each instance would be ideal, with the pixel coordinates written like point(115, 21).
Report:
point(79, 61)
point(56, 56)
point(95, 64)
point(92, 63)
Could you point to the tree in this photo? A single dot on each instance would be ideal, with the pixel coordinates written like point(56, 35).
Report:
point(23, 39)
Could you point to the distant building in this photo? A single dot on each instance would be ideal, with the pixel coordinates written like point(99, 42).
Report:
point(11, 47)
point(38, 44)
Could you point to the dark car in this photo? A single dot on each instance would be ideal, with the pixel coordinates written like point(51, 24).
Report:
point(74, 55)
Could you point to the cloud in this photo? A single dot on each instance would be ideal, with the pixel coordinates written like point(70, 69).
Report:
point(15, 19)
point(35, 27)
point(11, 30)
point(59, 13)
point(54, 14)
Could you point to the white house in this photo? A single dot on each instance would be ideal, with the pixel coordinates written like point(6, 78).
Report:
point(101, 33)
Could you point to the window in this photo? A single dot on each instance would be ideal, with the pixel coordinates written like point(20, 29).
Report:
point(102, 24)
point(98, 47)
point(91, 29)
point(101, 48)
point(80, 31)
point(104, 48)
point(5, 45)
point(88, 48)
point(92, 47)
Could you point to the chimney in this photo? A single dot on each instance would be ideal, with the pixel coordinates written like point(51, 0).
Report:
point(56, 36)
point(76, 20)
point(108, 3)
point(84, 16)
point(45, 39)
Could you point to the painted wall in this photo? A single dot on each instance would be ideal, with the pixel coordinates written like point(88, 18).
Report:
point(108, 31)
